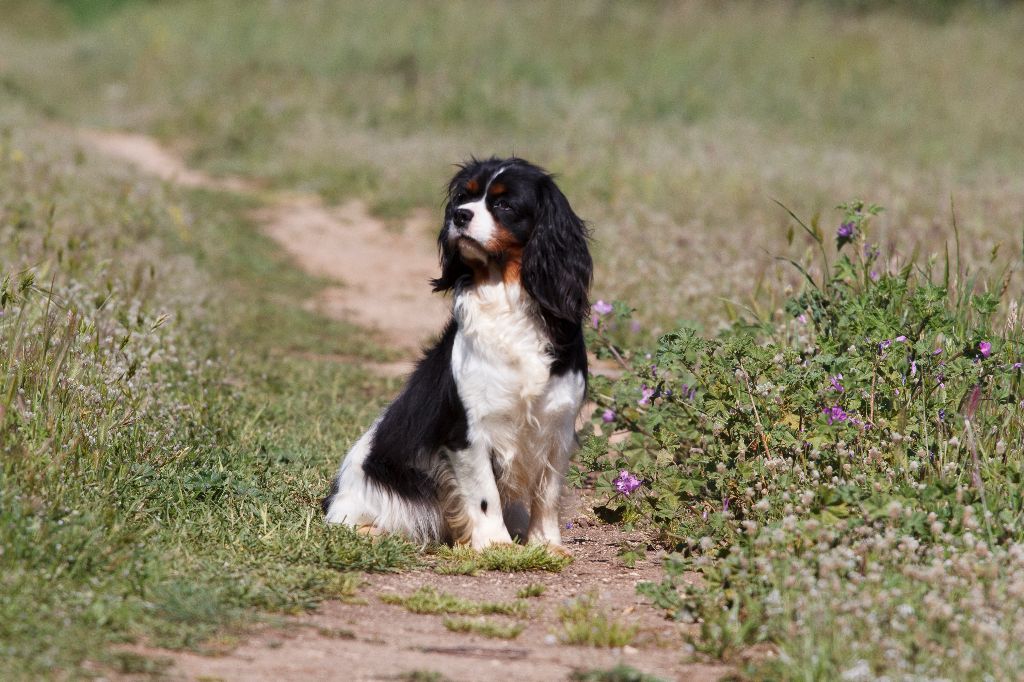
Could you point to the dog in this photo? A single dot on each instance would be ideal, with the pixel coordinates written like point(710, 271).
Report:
point(485, 424)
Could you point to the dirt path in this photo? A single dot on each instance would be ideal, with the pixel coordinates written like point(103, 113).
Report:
point(381, 275)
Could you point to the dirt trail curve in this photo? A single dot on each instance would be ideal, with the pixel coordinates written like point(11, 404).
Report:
point(381, 277)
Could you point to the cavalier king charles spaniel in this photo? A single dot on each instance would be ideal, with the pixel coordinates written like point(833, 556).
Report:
point(485, 424)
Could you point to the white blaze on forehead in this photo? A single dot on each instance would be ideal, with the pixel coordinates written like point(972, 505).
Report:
point(482, 227)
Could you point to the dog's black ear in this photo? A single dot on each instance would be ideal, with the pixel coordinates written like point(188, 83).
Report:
point(453, 270)
point(557, 268)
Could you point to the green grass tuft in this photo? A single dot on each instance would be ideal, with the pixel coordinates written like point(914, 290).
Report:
point(484, 627)
point(620, 673)
point(585, 623)
point(532, 590)
point(427, 600)
point(463, 560)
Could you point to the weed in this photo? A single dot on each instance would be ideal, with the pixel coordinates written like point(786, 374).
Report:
point(429, 600)
point(509, 558)
point(585, 623)
point(851, 466)
point(487, 628)
point(531, 590)
point(620, 673)
point(421, 676)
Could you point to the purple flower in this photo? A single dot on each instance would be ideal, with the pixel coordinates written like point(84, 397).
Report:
point(725, 505)
point(608, 416)
point(913, 368)
point(900, 339)
point(1017, 365)
point(845, 232)
point(836, 386)
point(602, 308)
point(634, 326)
point(874, 275)
point(885, 344)
point(568, 525)
point(626, 482)
point(835, 414)
point(937, 351)
point(985, 348)
point(646, 394)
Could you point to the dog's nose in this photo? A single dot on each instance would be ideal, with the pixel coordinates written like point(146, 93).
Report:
point(461, 217)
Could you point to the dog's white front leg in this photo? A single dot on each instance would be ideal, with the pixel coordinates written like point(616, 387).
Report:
point(544, 525)
point(474, 479)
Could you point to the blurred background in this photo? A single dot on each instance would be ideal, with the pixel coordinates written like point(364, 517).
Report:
point(672, 125)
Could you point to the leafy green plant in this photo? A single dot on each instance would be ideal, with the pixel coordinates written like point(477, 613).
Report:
point(844, 450)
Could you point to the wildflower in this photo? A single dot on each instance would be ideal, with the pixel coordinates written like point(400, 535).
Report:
point(874, 275)
point(900, 339)
point(937, 351)
point(913, 368)
point(568, 525)
point(985, 348)
point(835, 414)
point(802, 318)
point(608, 416)
point(725, 505)
point(602, 308)
point(626, 482)
point(646, 394)
point(844, 233)
point(836, 386)
point(884, 345)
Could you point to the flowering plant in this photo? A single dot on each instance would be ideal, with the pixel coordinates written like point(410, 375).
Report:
point(886, 403)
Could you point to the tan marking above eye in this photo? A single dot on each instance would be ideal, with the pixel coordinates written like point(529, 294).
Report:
point(472, 186)
point(497, 189)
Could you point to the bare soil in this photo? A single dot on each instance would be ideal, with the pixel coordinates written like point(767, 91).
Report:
point(381, 274)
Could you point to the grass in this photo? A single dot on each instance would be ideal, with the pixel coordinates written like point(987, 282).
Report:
point(671, 127)
point(532, 590)
point(427, 600)
point(160, 464)
point(484, 627)
point(464, 560)
point(620, 673)
point(585, 623)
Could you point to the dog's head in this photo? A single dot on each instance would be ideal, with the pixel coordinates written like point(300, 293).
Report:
point(507, 217)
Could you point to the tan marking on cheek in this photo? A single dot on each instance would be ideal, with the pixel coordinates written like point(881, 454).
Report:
point(505, 245)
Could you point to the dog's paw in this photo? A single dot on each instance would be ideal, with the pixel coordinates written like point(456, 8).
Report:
point(556, 549)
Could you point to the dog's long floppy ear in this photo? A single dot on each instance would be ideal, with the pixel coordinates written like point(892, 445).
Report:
point(557, 268)
point(453, 270)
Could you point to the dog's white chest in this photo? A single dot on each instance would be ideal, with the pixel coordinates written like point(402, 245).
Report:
point(500, 357)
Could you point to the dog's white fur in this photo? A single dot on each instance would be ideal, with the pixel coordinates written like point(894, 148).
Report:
point(516, 412)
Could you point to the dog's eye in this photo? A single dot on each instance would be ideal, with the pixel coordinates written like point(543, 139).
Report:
point(458, 198)
point(502, 205)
